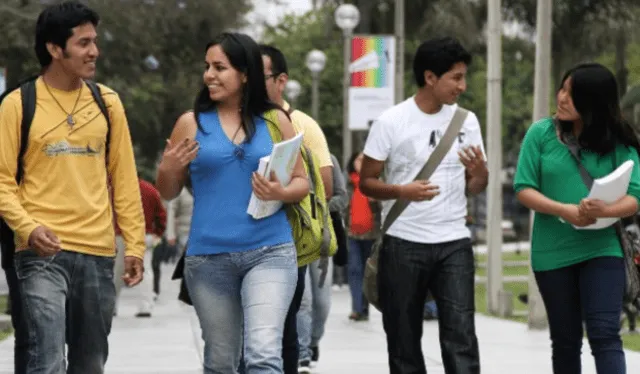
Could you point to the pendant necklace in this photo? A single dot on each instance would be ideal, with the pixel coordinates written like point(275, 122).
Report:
point(70, 120)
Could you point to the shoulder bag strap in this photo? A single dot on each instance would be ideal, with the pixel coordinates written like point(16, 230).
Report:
point(432, 163)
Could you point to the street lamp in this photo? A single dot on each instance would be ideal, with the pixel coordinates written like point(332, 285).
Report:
point(316, 61)
point(347, 17)
point(151, 62)
point(293, 89)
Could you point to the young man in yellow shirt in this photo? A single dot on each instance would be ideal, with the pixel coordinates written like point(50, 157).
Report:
point(276, 74)
point(60, 210)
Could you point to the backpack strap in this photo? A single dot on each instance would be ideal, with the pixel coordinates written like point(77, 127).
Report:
point(97, 97)
point(28, 96)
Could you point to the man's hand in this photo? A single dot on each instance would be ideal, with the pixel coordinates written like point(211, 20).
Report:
point(419, 191)
point(133, 271)
point(44, 242)
point(473, 160)
point(171, 242)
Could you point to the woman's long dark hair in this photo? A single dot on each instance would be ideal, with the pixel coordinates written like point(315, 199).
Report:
point(244, 55)
point(594, 92)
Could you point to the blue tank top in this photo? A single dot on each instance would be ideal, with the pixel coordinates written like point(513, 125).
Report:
point(221, 181)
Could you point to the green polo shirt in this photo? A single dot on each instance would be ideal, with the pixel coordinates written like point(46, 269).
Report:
point(546, 165)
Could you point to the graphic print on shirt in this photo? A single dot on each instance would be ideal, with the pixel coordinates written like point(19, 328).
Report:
point(86, 138)
point(64, 148)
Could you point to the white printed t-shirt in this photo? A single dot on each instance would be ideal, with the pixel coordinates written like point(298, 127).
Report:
point(404, 137)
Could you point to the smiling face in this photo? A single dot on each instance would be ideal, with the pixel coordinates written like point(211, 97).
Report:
point(222, 79)
point(450, 85)
point(80, 54)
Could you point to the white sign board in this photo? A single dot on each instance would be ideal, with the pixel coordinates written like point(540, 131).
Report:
point(372, 86)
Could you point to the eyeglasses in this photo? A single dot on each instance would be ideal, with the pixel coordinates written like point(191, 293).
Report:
point(272, 75)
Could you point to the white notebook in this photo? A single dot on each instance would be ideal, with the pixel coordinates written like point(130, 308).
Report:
point(281, 161)
point(610, 189)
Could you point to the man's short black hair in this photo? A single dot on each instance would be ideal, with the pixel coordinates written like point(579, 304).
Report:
point(55, 25)
point(278, 62)
point(438, 55)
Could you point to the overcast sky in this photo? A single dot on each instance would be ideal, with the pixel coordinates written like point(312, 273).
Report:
point(264, 10)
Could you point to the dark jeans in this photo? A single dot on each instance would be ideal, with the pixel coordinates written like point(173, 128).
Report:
point(359, 252)
point(66, 298)
point(407, 271)
point(20, 353)
point(589, 292)
point(156, 261)
point(290, 349)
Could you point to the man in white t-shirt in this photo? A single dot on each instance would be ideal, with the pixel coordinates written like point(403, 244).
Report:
point(428, 248)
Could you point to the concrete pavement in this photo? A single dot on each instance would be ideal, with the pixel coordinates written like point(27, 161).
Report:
point(169, 342)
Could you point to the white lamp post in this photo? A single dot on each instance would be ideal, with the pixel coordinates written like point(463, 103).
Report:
point(293, 89)
point(316, 60)
point(347, 17)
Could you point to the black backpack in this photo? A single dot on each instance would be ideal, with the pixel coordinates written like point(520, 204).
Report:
point(28, 96)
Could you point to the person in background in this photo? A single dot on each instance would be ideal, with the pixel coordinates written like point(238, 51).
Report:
point(276, 74)
point(316, 301)
point(337, 206)
point(155, 218)
point(179, 211)
point(580, 273)
point(363, 227)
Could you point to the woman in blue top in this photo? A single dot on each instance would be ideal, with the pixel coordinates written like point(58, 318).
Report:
point(580, 273)
point(241, 273)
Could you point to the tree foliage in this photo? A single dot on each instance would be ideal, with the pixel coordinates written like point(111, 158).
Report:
point(175, 32)
point(297, 35)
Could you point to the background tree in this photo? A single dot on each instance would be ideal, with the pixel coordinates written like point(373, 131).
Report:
point(174, 32)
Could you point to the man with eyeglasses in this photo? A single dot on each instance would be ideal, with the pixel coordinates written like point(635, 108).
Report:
point(276, 74)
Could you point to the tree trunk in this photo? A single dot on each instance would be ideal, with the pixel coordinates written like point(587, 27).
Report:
point(622, 73)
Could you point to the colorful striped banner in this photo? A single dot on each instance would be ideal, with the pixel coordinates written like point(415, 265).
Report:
point(367, 46)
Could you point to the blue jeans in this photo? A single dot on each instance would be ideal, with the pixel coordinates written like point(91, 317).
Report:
point(243, 291)
point(589, 292)
point(66, 298)
point(314, 309)
point(21, 342)
point(406, 271)
point(359, 252)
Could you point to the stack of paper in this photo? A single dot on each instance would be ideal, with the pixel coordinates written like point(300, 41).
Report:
point(281, 161)
point(610, 189)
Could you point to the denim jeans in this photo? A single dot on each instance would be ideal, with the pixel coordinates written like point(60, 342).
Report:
point(314, 310)
point(359, 252)
point(243, 291)
point(20, 347)
point(589, 292)
point(290, 350)
point(406, 272)
point(66, 298)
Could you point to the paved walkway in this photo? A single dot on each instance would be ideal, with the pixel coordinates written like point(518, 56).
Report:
point(169, 343)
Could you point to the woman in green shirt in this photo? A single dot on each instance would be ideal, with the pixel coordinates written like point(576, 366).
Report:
point(580, 273)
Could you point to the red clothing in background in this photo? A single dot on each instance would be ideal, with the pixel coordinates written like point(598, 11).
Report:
point(155, 215)
point(362, 219)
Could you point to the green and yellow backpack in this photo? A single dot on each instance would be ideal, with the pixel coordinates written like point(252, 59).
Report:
point(309, 219)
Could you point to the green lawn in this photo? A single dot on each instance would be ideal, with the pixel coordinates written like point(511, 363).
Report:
point(3, 306)
point(631, 342)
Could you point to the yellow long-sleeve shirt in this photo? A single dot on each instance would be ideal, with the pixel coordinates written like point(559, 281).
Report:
point(64, 186)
